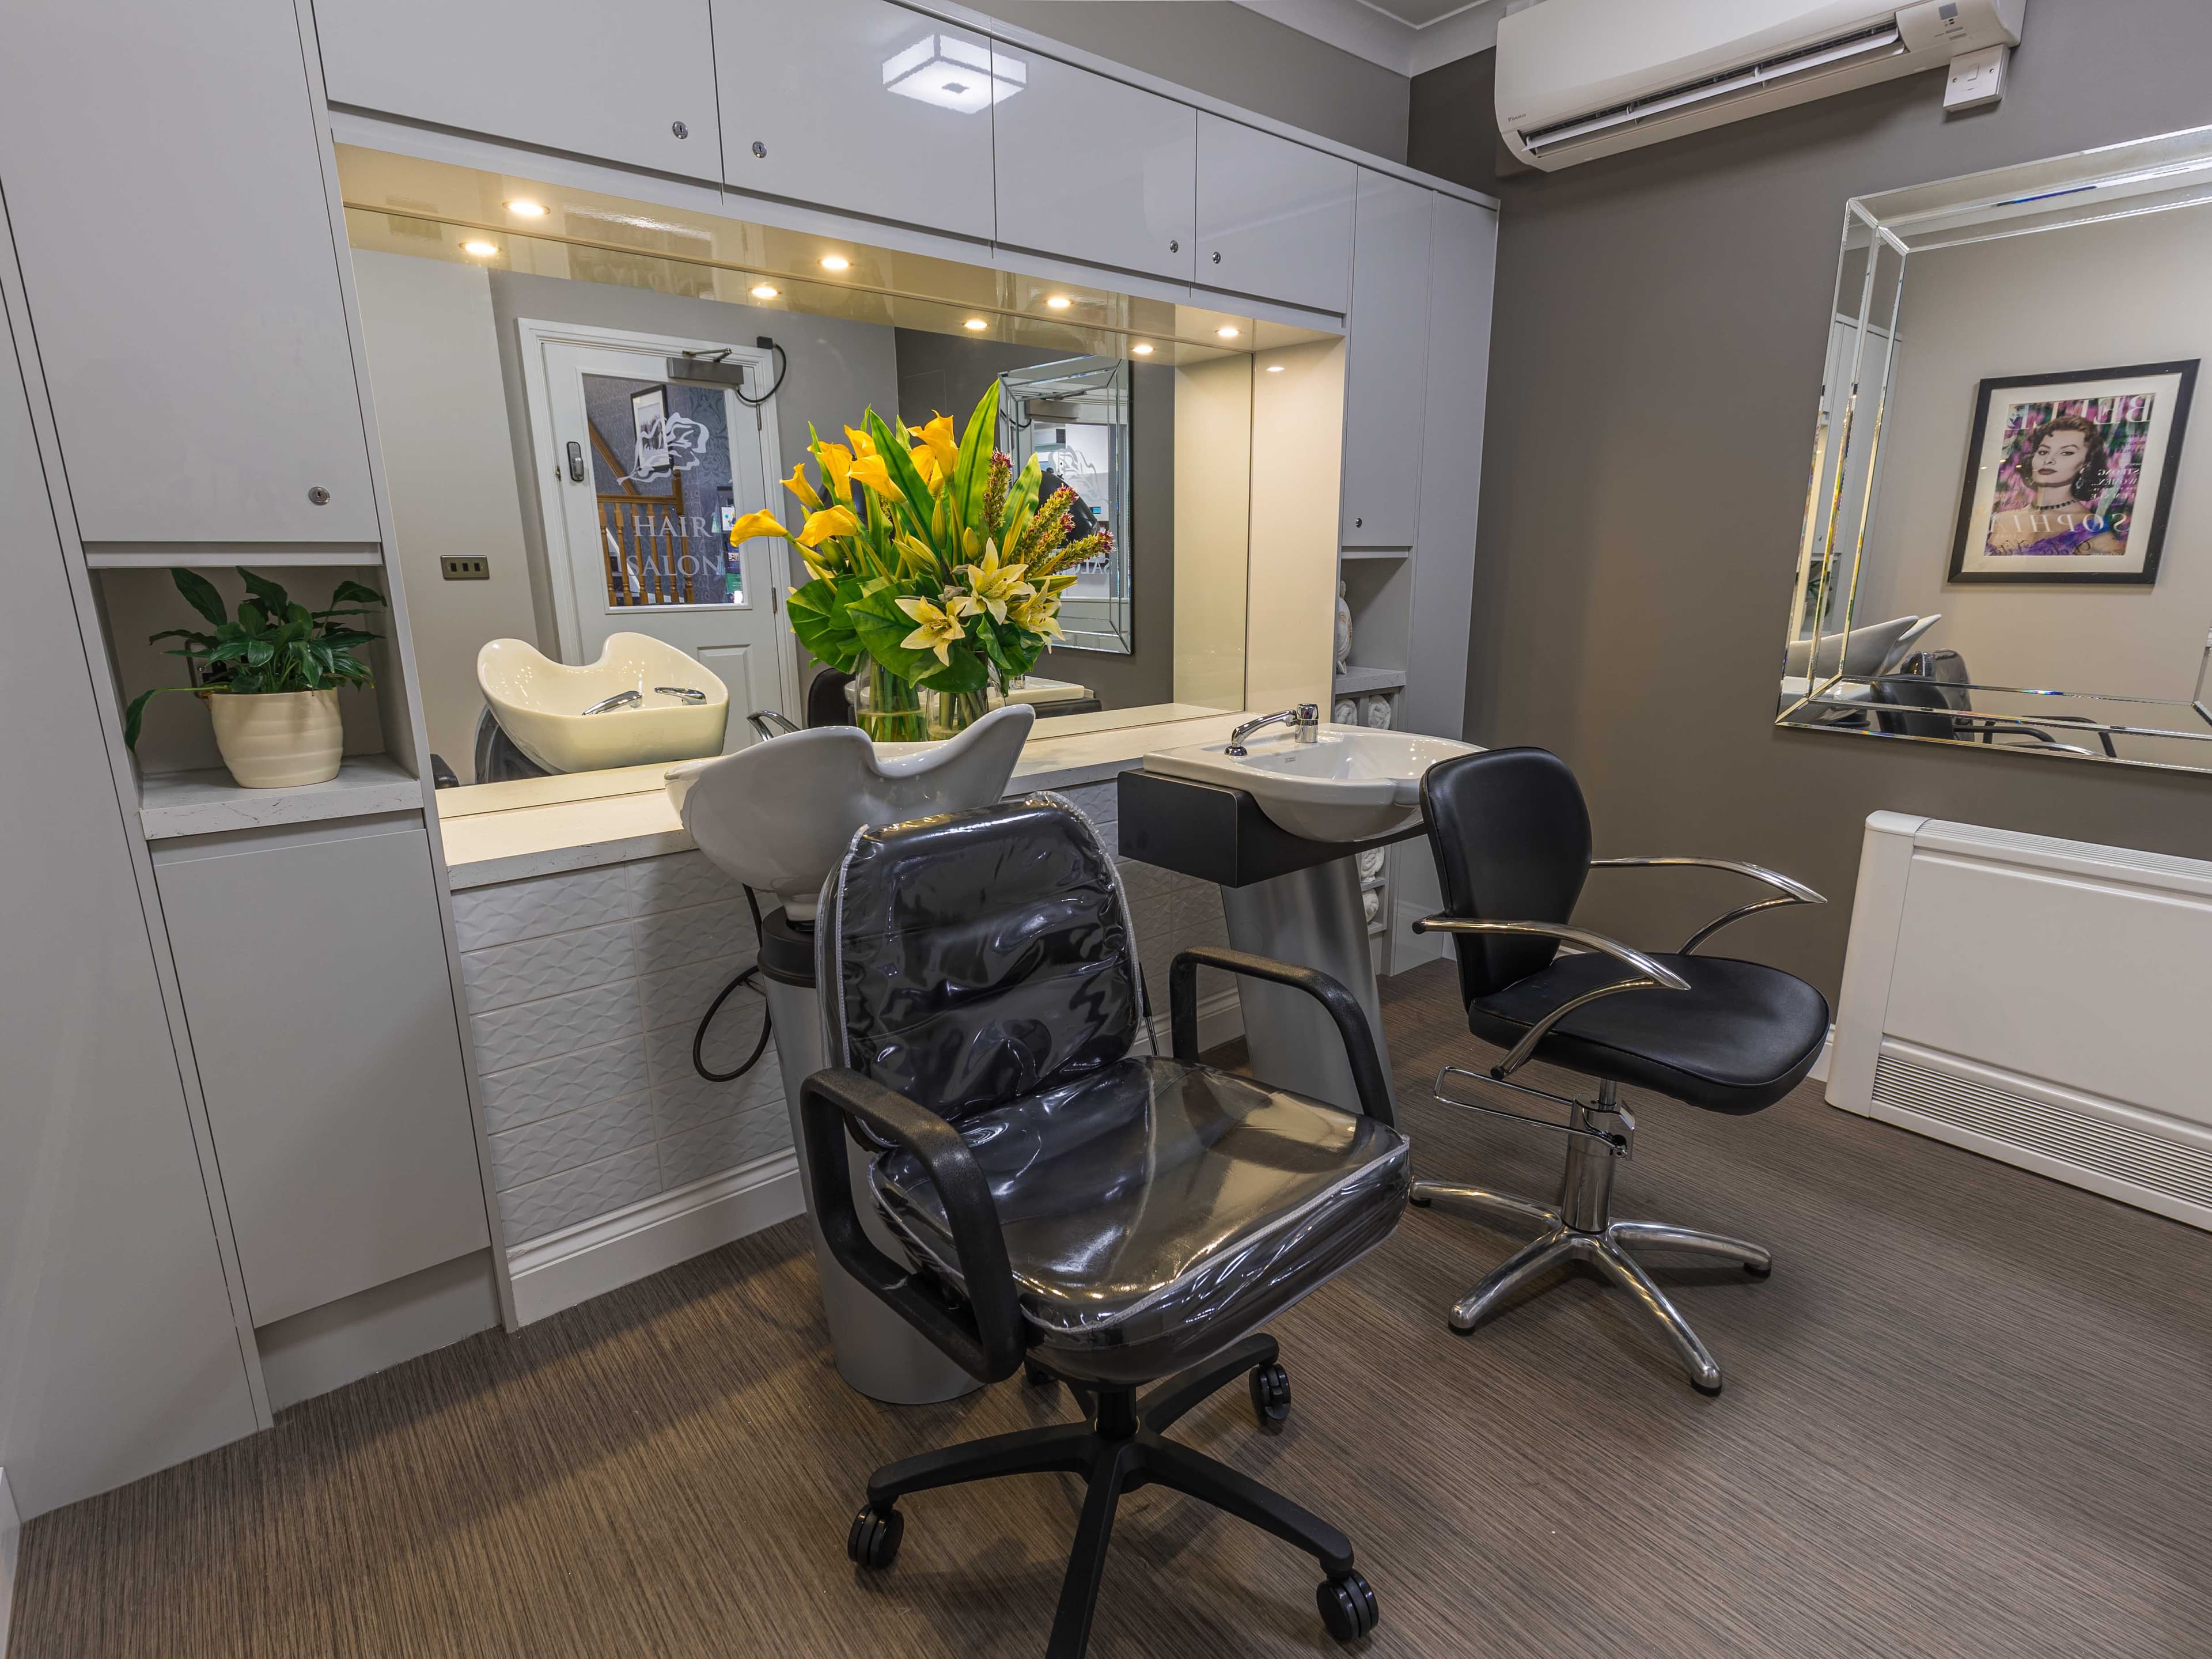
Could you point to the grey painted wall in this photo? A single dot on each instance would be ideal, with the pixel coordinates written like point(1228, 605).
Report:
point(1221, 49)
point(1661, 322)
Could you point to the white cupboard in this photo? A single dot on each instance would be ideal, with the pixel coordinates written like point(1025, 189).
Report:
point(1274, 218)
point(199, 369)
point(597, 78)
point(857, 104)
point(1386, 374)
point(1090, 169)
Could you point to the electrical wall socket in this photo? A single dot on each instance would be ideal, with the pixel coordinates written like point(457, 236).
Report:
point(465, 570)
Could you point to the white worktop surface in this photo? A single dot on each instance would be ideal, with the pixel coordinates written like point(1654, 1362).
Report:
point(523, 835)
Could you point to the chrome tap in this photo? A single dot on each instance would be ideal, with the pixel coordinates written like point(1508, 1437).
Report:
point(1304, 722)
point(686, 692)
point(620, 699)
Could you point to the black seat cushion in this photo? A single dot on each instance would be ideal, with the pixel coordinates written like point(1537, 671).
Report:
point(1155, 1211)
point(1739, 1039)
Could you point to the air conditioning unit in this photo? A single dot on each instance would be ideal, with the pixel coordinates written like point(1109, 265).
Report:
point(1579, 79)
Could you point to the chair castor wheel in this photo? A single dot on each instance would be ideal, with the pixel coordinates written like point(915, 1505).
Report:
point(1418, 1199)
point(1037, 1377)
point(1271, 1394)
point(873, 1541)
point(1347, 1607)
point(1758, 1272)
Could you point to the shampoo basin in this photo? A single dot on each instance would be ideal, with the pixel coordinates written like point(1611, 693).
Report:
point(779, 816)
point(1350, 783)
point(540, 703)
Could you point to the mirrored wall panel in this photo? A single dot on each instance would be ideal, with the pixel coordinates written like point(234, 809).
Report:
point(2005, 540)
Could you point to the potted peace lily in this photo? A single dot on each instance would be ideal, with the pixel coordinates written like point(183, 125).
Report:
point(933, 567)
point(270, 676)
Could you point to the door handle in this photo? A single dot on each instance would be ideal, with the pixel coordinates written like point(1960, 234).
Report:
point(575, 462)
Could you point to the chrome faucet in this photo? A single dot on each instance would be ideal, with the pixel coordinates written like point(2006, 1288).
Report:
point(687, 693)
point(1304, 722)
point(620, 699)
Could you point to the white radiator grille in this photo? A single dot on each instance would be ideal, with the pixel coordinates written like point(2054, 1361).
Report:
point(2176, 1169)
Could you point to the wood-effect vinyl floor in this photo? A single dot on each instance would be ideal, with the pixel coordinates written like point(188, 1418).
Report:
point(1971, 1414)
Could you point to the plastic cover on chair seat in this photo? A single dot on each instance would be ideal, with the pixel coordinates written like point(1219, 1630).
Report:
point(1154, 1212)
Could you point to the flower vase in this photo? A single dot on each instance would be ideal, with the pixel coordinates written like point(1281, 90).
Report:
point(890, 708)
point(953, 711)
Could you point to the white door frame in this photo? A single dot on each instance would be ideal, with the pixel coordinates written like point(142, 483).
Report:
point(535, 334)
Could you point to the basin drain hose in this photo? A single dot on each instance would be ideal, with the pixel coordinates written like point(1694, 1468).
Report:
point(707, 1019)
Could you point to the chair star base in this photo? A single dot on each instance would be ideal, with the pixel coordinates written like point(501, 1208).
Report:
point(1120, 1449)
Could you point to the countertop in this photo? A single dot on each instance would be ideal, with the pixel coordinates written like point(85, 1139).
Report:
point(510, 831)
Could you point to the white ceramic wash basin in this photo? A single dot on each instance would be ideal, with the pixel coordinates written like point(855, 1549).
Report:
point(1352, 782)
point(540, 703)
point(779, 816)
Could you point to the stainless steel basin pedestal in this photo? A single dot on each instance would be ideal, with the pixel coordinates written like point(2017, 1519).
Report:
point(1312, 917)
point(876, 1351)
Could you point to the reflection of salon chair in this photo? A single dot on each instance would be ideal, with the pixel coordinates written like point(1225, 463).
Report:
point(1858, 656)
point(497, 759)
point(826, 702)
point(1931, 695)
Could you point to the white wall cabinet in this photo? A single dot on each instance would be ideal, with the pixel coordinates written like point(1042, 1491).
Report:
point(204, 388)
point(599, 78)
point(857, 105)
point(1274, 218)
point(1386, 379)
point(323, 1022)
point(1090, 169)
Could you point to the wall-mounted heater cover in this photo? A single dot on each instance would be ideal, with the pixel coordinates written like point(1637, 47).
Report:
point(2036, 1000)
point(1579, 79)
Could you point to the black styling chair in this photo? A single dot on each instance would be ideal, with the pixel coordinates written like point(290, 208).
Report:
point(1930, 695)
point(1512, 843)
point(1102, 1218)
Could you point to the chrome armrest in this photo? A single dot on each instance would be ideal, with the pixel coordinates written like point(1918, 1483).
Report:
point(1791, 891)
point(1650, 975)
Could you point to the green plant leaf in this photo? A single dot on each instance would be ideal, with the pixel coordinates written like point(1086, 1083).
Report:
point(819, 618)
point(135, 715)
point(274, 599)
point(199, 594)
point(971, 470)
point(908, 476)
point(357, 591)
point(965, 671)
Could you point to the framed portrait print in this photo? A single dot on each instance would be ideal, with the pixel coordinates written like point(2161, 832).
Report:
point(2070, 477)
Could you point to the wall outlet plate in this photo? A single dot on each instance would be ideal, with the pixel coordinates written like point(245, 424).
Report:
point(465, 570)
point(1976, 79)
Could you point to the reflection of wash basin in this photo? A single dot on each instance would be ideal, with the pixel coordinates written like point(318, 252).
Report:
point(1352, 782)
point(540, 703)
point(779, 816)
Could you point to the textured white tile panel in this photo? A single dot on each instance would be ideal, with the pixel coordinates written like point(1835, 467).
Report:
point(683, 1100)
point(680, 996)
point(484, 916)
point(553, 1144)
point(678, 882)
point(705, 932)
point(724, 1143)
point(504, 974)
point(574, 1195)
point(1143, 880)
point(532, 1031)
point(523, 1094)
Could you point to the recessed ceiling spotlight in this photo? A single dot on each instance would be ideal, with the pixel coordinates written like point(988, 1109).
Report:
point(483, 250)
point(836, 262)
point(975, 323)
point(1274, 369)
point(1140, 349)
point(1059, 302)
point(523, 207)
point(1228, 331)
point(763, 291)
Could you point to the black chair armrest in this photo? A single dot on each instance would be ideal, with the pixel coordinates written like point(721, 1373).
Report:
point(1343, 1007)
point(985, 1337)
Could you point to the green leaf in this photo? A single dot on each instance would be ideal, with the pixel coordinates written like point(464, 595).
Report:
point(819, 616)
point(357, 591)
point(964, 672)
point(908, 476)
point(135, 715)
point(274, 599)
point(199, 594)
point(1021, 503)
point(971, 470)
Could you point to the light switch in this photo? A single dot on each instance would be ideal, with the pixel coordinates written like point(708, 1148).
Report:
point(1976, 78)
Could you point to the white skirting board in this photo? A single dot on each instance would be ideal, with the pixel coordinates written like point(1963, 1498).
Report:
point(593, 1257)
point(11, 1533)
point(1819, 1071)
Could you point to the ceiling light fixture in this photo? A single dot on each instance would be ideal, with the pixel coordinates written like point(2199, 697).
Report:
point(1227, 332)
point(1059, 302)
point(965, 77)
point(523, 207)
point(836, 262)
point(482, 250)
point(1141, 350)
point(975, 323)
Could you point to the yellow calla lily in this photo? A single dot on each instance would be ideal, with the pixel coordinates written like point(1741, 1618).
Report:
point(942, 443)
point(875, 473)
point(836, 466)
point(829, 521)
point(862, 443)
point(803, 486)
point(995, 586)
point(754, 525)
point(937, 626)
point(925, 462)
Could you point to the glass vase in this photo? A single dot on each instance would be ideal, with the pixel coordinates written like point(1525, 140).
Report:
point(890, 708)
point(953, 711)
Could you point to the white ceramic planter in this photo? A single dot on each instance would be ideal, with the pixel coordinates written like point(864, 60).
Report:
point(278, 740)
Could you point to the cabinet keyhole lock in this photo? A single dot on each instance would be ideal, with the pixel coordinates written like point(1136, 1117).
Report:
point(679, 129)
point(1359, 523)
point(319, 495)
point(1217, 258)
point(760, 150)
point(1175, 246)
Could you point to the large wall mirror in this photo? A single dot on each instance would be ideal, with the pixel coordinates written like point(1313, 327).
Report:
point(2006, 540)
point(578, 396)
